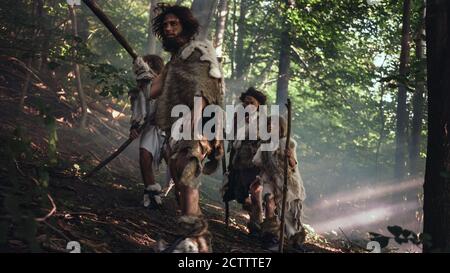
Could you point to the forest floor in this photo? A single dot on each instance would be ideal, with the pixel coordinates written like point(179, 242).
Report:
point(103, 213)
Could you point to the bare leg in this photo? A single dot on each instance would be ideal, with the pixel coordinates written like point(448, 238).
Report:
point(175, 166)
point(270, 206)
point(256, 199)
point(191, 201)
point(188, 197)
point(146, 164)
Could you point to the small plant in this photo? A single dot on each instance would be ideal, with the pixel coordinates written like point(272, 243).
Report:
point(400, 236)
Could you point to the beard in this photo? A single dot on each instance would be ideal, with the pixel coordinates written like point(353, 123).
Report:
point(172, 45)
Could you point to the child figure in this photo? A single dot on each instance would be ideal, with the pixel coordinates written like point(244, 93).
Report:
point(271, 178)
point(152, 138)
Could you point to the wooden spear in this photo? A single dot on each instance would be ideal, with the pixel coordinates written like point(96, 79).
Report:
point(110, 26)
point(122, 41)
point(286, 168)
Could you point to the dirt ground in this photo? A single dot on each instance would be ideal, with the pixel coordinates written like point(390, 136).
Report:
point(104, 212)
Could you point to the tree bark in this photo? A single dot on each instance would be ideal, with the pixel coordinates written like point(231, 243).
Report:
point(437, 174)
point(239, 51)
point(284, 59)
point(204, 11)
point(220, 26)
point(151, 39)
point(38, 7)
point(402, 114)
point(382, 128)
point(76, 68)
point(233, 45)
point(418, 98)
point(26, 85)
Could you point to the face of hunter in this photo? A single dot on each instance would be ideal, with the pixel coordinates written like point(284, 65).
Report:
point(250, 100)
point(172, 26)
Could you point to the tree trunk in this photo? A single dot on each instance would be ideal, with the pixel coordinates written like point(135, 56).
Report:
point(204, 11)
point(437, 174)
point(285, 59)
point(418, 98)
point(233, 39)
point(382, 128)
point(38, 7)
point(220, 26)
point(239, 51)
point(25, 85)
point(402, 114)
point(151, 39)
point(76, 68)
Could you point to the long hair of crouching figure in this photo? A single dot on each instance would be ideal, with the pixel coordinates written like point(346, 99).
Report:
point(189, 23)
point(253, 92)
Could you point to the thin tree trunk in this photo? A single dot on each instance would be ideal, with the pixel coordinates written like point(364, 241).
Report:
point(437, 174)
point(37, 12)
point(285, 59)
point(26, 85)
point(418, 98)
point(402, 114)
point(239, 53)
point(204, 11)
point(220, 26)
point(233, 47)
point(76, 68)
point(151, 39)
point(45, 70)
point(382, 128)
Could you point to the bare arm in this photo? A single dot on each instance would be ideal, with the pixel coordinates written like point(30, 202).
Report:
point(291, 158)
point(156, 88)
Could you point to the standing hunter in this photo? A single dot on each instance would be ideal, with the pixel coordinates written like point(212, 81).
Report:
point(193, 71)
point(152, 139)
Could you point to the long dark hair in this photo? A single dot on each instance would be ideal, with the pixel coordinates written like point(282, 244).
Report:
point(253, 92)
point(184, 14)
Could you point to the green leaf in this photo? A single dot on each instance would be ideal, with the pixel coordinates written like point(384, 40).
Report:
point(381, 239)
point(400, 240)
point(406, 233)
point(426, 239)
point(395, 230)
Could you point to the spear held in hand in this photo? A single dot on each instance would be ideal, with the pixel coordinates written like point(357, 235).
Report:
point(113, 155)
point(122, 41)
point(286, 172)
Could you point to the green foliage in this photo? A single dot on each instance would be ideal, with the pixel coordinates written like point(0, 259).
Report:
point(343, 78)
point(401, 236)
point(50, 123)
point(382, 240)
point(25, 189)
point(18, 195)
point(112, 80)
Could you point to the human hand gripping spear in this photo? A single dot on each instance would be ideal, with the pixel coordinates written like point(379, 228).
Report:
point(122, 41)
point(286, 172)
